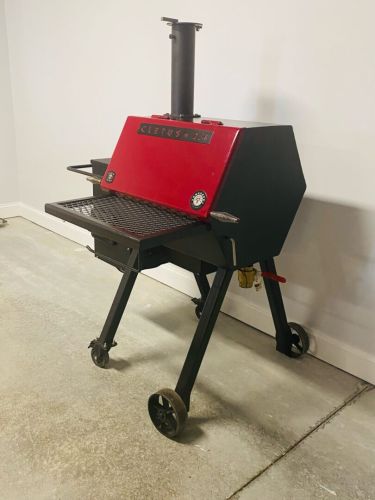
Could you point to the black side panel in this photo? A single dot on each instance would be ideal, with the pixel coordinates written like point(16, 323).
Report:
point(98, 168)
point(264, 186)
point(204, 247)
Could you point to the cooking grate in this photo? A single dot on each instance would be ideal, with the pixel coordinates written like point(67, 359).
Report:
point(137, 217)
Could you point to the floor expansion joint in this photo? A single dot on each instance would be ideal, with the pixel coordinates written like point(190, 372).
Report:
point(319, 425)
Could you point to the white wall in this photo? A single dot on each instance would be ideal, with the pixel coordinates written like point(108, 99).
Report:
point(79, 68)
point(8, 167)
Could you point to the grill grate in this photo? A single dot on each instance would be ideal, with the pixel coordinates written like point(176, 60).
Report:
point(137, 217)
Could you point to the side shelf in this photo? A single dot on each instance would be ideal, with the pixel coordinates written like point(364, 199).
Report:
point(134, 223)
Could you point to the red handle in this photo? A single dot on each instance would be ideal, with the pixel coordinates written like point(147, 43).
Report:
point(274, 277)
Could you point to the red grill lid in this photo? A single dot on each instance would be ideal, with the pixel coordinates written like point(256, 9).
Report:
point(176, 164)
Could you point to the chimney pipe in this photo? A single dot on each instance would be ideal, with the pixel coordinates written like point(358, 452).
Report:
point(183, 61)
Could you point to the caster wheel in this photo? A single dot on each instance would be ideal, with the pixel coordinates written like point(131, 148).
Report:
point(99, 356)
point(300, 340)
point(199, 306)
point(167, 412)
point(198, 311)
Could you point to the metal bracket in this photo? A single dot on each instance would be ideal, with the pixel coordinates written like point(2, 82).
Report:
point(104, 346)
point(77, 169)
point(171, 21)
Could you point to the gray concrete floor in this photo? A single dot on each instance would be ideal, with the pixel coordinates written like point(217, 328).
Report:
point(261, 425)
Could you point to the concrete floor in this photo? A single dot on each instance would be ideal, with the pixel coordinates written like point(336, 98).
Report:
point(261, 426)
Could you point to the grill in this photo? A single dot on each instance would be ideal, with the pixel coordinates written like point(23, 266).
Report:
point(208, 195)
point(130, 216)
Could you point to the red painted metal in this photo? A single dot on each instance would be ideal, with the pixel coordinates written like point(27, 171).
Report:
point(170, 171)
point(273, 276)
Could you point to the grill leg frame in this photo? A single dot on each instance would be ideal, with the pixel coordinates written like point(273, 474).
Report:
point(276, 303)
point(203, 285)
point(202, 334)
point(204, 290)
point(106, 338)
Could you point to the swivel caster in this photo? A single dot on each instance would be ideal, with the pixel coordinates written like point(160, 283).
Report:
point(99, 354)
point(199, 306)
point(167, 412)
point(198, 311)
point(300, 340)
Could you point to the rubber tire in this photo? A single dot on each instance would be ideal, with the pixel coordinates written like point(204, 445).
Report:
point(99, 356)
point(176, 407)
point(303, 340)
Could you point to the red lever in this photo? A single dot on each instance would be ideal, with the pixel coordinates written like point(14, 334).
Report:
point(274, 277)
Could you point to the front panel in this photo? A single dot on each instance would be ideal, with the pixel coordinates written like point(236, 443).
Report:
point(176, 164)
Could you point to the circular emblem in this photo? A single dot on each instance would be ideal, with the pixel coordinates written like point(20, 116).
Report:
point(110, 176)
point(198, 200)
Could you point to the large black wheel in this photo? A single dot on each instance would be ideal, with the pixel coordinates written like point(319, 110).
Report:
point(167, 412)
point(100, 356)
point(300, 340)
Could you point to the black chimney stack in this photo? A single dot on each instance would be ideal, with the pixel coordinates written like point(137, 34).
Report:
point(183, 60)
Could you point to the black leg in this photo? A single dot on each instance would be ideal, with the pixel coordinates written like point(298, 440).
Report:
point(275, 299)
point(202, 334)
point(204, 289)
point(118, 305)
point(203, 285)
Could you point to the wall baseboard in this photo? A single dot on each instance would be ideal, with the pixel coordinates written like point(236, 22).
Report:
point(339, 354)
point(69, 231)
point(8, 210)
point(334, 352)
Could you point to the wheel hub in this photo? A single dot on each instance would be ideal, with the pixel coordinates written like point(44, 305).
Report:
point(162, 416)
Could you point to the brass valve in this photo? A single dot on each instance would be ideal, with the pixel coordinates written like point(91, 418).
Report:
point(249, 276)
point(246, 276)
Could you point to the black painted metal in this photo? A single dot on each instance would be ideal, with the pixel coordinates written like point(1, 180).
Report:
point(202, 334)
point(119, 303)
point(263, 186)
point(80, 169)
point(203, 285)
point(99, 166)
point(134, 223)
point(205, 246)
point(275, 299)
point(204, 290)
point(132, 216)
point(183, 62)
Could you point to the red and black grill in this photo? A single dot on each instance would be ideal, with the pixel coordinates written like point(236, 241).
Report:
point(210, 196)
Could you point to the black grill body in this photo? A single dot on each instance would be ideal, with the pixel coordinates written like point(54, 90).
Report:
point(134, 235)
point(262, 187)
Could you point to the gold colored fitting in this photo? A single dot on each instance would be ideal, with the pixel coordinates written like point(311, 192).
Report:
point(246, 276)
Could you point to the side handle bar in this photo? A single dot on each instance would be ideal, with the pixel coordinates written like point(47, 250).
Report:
point(78, 169)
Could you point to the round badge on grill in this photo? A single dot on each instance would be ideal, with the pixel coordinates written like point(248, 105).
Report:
point(110, 176)
point(198, 200)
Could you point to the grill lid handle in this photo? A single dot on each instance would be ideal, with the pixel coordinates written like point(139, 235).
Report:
point(225, 217)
